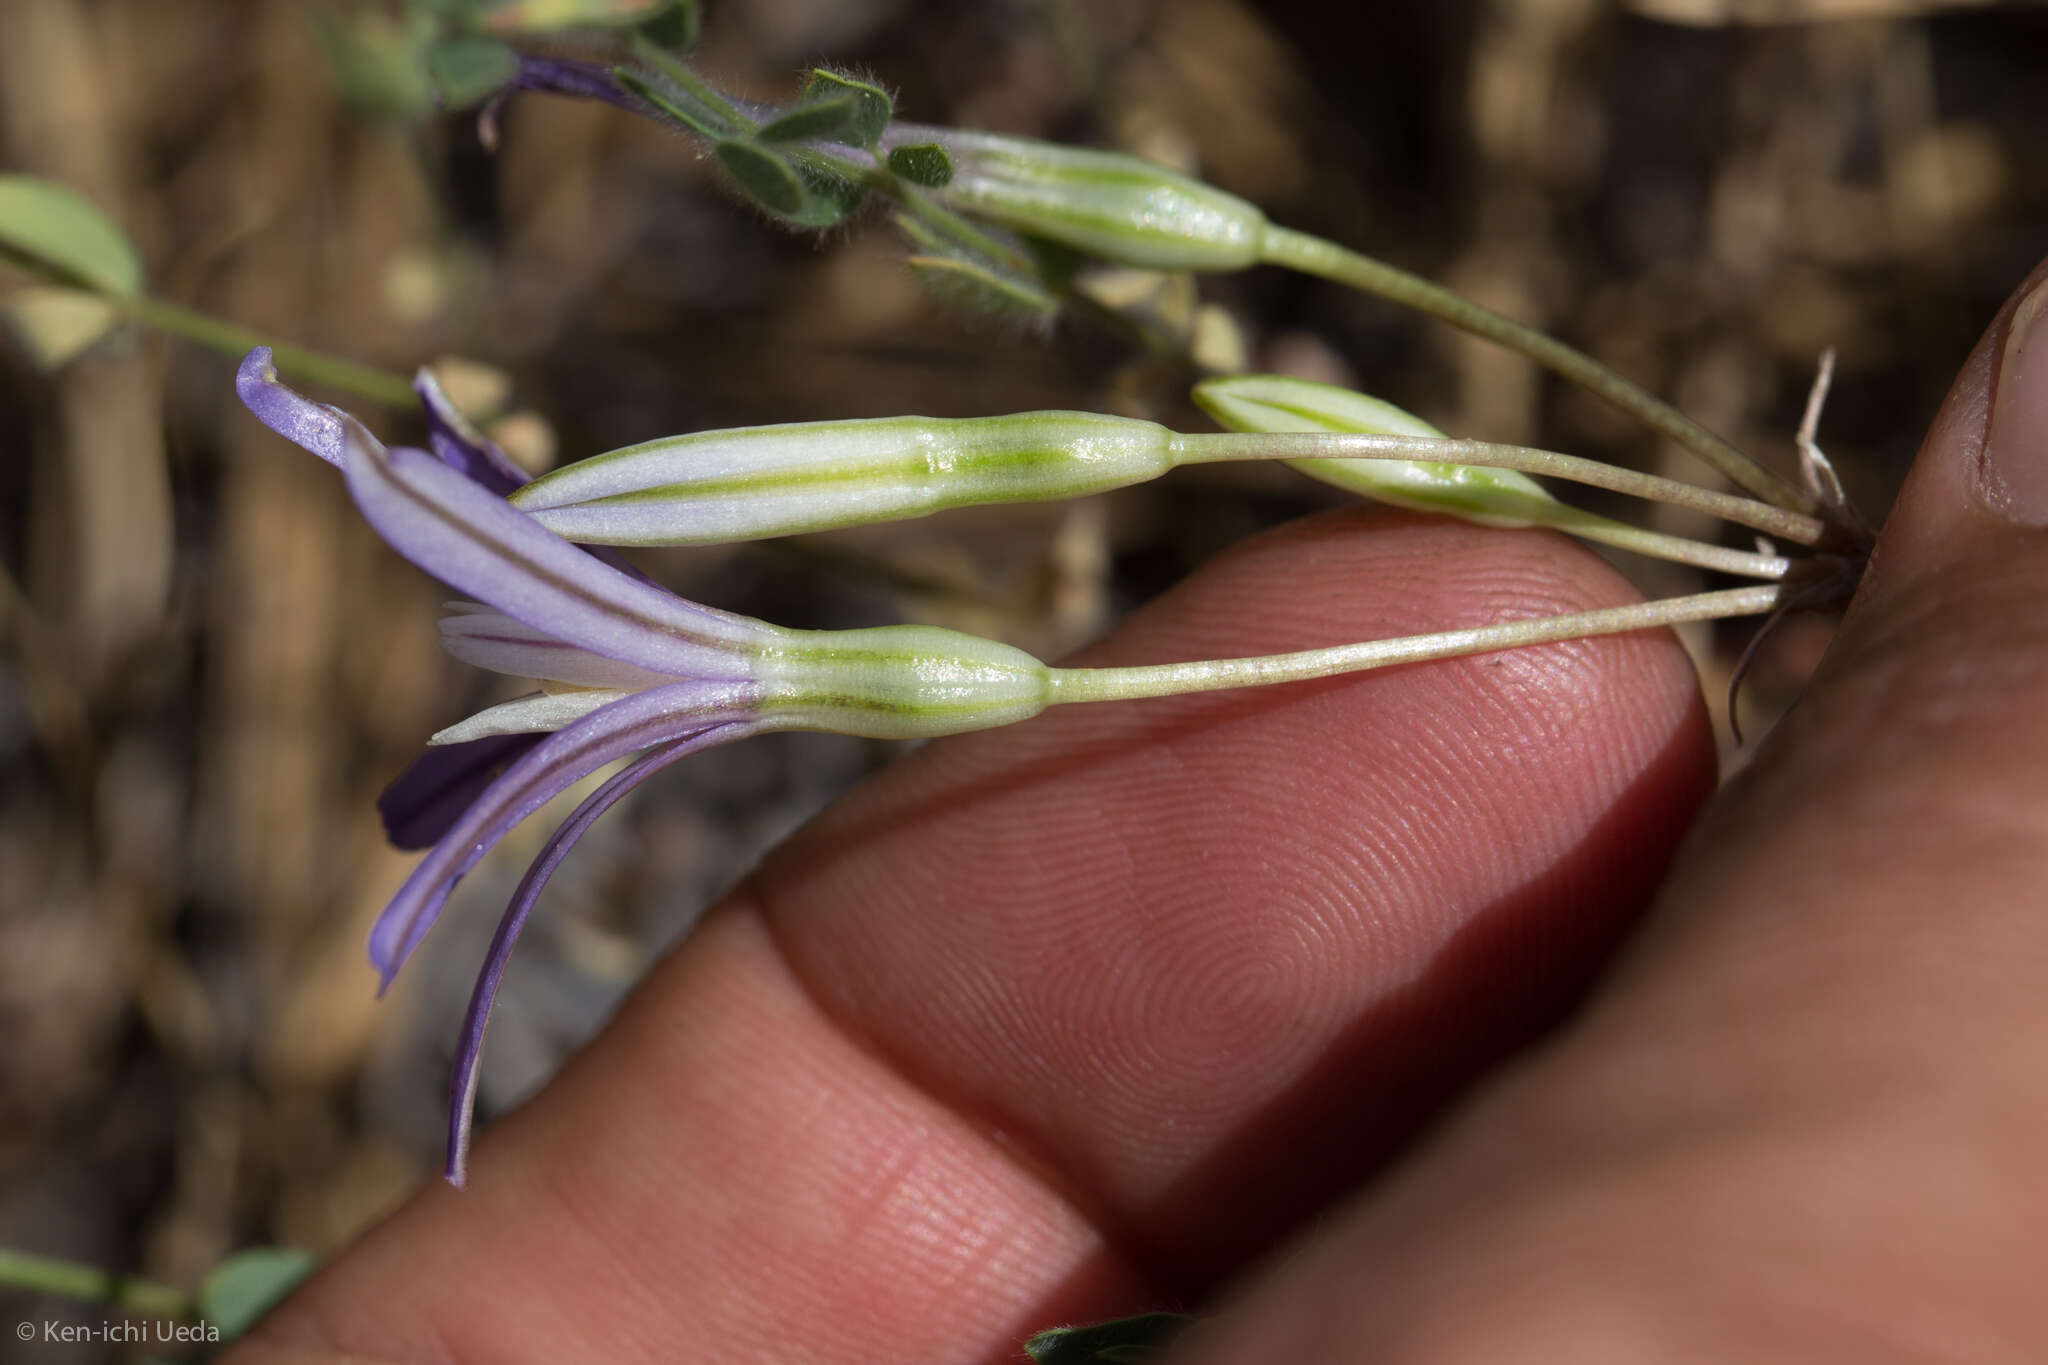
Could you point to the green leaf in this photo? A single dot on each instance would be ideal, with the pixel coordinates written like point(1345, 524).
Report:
point(770, 180)
point(922, 163)
point(53, 231)
point(56, 326)
point(245, 1286)
point(983, 287)
point(674, 27)
point(794, 191)
point(873, 107)
point(828, 198)
point(469, 70)
point(1125, 1339)
point(829, 120)
point(680, 105)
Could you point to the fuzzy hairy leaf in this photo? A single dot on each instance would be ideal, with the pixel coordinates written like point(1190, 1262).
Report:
point(983, 287)
point(872, 106)
point(768, 178)
point(680, 105)
point(922, 163)
point(833, 120)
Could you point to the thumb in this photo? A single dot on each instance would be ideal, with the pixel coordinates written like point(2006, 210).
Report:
point(1803, 1117)
point(1915, 768)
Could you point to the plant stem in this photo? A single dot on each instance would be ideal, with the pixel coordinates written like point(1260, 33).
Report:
point(1314, 256)
point(1304, 445)
point(48, 1275)
point(380, 386)
point(1210, 675)
point(1673, 549)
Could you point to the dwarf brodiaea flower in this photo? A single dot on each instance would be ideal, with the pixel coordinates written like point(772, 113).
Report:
point(626, 669)
point(631, 671)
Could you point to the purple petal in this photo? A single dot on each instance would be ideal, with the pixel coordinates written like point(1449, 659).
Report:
point(473, 539)
point(315, 426)
point(544, 772)
point(495, 641)
point(560, 76)
point(459, 444)
point(425, 800)
point(469, 1051)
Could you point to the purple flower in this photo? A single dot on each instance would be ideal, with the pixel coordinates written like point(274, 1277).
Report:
point(626, 668)
point(643, 90)
point(559, 76)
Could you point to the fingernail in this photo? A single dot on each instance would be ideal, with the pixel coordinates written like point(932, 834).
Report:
point(2016, 448)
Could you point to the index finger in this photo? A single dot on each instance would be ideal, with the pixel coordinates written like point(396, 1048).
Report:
point(1059, 1020)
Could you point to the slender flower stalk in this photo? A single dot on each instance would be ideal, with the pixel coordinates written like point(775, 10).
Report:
point(1213, 675)
point(630, 671)
point(1454, 453)
point(1314, 256)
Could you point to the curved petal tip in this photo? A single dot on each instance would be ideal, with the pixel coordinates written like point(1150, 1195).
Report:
point(293, 416)
point(312, 426)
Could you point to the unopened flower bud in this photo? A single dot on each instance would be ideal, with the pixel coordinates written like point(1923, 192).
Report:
point(750, 482)
point(902, 682)
point(1276, 403)
point(1106, 204)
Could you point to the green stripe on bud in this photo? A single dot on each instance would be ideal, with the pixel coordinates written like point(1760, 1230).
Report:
point(1276, 403)
point(901, 682)
point(1116, 207)
point(715, 486)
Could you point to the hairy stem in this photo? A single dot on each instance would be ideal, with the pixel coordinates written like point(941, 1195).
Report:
point(1314, 256)
point(1211, 675)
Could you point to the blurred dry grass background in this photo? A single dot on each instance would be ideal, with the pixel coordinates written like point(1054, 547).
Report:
point(208, 667)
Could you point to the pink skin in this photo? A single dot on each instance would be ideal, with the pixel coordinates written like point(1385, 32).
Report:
point(1086, 1015)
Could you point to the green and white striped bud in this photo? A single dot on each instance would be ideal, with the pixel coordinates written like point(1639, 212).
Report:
point(1110, 205)
point(1302, 419)
point(900, 682)
point(750, 482)
point(1278, 403)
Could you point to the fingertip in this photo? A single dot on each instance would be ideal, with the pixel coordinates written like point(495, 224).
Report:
point(1980, 480)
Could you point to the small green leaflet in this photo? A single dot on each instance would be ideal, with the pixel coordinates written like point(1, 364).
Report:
point(1122, 1340)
